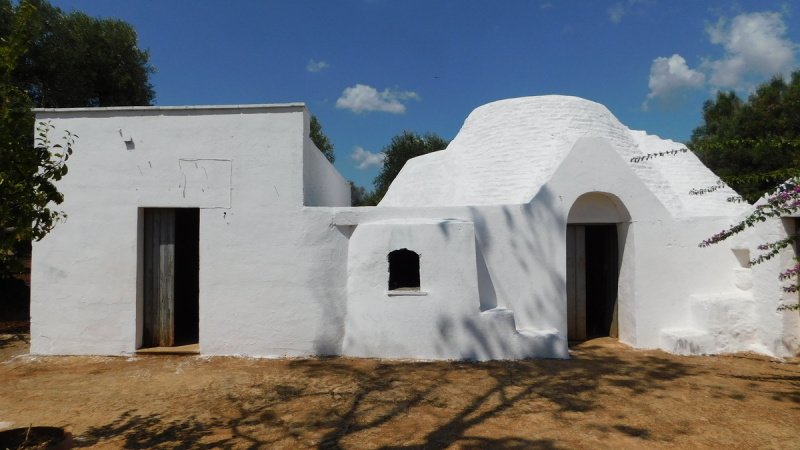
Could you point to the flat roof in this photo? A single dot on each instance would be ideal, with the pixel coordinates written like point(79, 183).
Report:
point(171, 108)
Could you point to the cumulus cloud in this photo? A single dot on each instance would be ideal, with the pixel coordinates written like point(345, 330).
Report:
point(366, 158)
point(670, 78)
point(316, 66)
point(755, 44)
point(364, 98)
point(755, 48)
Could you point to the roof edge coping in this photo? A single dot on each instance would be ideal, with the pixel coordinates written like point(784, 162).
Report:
point(171, 108)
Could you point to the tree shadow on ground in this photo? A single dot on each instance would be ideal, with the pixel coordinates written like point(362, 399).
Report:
point(330, 402)
point(152, 431)
point(783, 388)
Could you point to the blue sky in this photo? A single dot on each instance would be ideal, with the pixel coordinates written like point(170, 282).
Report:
point(369, 69)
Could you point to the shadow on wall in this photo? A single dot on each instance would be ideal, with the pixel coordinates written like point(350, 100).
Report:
point(329, 332)
point(532, 236)
point(519, 263)
point(518, 251)
point(405, 405)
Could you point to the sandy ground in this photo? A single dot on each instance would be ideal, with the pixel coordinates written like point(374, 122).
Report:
point(607, 396)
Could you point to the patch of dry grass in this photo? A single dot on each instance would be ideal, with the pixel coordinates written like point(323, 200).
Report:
point(607, 396)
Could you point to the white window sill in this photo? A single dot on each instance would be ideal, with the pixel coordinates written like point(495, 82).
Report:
point(406, 293)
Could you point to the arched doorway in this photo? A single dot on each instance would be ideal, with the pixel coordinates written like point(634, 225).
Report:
point(594, 238)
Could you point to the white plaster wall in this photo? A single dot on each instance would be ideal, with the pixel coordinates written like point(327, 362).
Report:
point(278, 278)
point(520, 249)
point(449, 321)
point(776, 332)
point(661, 263)
point(507, 150)
point(323, 185)
point(407, 326)
point(271, 272)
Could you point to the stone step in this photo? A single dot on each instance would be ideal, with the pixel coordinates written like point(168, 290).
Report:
point(687, 341)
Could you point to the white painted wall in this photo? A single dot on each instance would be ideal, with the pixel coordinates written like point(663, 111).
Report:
point(323, 185)
point(271, 271)
point(521, 261)
point(284, 274)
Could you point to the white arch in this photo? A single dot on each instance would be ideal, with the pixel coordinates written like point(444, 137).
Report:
point(598, 207)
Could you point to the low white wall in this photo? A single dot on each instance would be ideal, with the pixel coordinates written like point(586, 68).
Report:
point(420, 324)
point(323, 185)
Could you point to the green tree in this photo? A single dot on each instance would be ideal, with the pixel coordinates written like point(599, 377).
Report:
point(74, 60)
point(358, 194)
point(321, 140)
point(752, 145)
point(403, 147)
point(27, 170)
point(52, 59)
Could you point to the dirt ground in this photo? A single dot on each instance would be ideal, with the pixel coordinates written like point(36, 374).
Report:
point(607, 396)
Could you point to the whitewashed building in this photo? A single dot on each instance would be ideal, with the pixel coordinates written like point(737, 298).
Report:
point(225, 226)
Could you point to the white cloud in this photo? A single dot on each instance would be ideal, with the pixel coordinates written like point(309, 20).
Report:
point(670, 78)
point(366, 158)
point(616, 12)
point(363, 98)
point(316, 66)
point(755, 44)
point(620, 9)
point(755, 49)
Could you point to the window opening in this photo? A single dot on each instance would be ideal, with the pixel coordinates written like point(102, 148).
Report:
point(403, 270)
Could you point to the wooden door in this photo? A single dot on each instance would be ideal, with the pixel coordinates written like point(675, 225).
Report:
point(159, 277)
point(592, 279)
point(576, 282)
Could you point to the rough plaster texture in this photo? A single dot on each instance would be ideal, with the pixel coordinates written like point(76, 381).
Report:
point(441, 321)
point(271, 271)
point(507, 150)
point(520, 249)
point(286, 268)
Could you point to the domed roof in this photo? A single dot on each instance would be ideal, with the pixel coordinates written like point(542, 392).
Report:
point(507, 150)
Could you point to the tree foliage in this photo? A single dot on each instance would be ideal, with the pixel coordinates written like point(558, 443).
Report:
point(73, 60)
point(402, 147)
point(358, 195)
point(752, 145)
point(321, 140)
point(49, 59)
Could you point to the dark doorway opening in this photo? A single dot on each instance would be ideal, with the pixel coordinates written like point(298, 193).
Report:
point(403, 270)
point(187, 275)
point(171, 263)
point(592, 280)
point(601, 280)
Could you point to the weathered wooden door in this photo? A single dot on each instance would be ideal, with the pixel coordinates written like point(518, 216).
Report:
point(576, 283)
point(159, 277)
point(592, 280)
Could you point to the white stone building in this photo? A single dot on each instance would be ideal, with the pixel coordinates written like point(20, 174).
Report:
point(225, 226)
